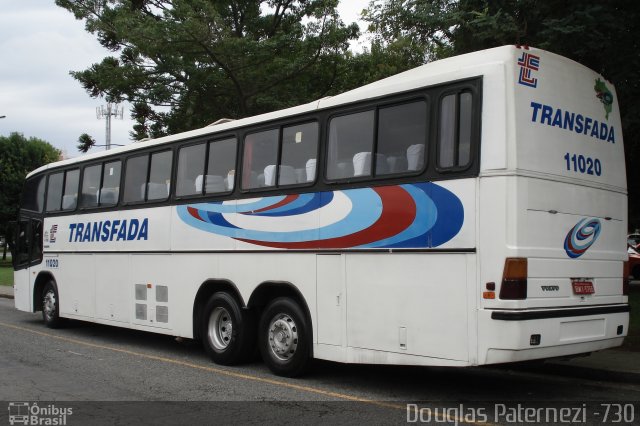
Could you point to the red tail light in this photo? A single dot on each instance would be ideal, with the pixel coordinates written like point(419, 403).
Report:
point(514, 279)
point(625, 278)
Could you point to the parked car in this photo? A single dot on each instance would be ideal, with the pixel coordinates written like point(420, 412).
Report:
point(633, 240)
point(634, 262)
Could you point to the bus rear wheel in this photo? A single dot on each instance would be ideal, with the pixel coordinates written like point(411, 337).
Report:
point(51, 306)
point(228, 332)
point(284, 340)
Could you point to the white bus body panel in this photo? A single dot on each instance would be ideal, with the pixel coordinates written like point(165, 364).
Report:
point(22, 290)
point(538, 205)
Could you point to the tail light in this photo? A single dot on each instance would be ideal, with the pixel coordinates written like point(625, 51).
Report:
point(625, 278)
point(514, 279)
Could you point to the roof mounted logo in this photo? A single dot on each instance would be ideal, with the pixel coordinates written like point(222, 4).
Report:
point(529, 64)
point(581, 237)
point(604, 94)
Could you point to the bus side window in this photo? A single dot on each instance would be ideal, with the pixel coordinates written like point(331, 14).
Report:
point(54, 192)
point(90, 185)
point(70, 195)
point(190, 165)
point(33, 194)
point(36, 246)
point(23, 243)
point(110, 189)
point(135, 179)
point(259, 159)
point(220, 174)
point(299, 147)
point(402, 138)
point(160, 176)
point(350, 145)
point(454, 130)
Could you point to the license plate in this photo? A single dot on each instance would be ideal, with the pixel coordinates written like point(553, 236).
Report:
point(583, 287)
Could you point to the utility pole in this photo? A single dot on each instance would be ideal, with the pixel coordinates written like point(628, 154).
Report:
point(106, 112)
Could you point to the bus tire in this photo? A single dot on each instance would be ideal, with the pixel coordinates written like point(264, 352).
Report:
point(228, 332)
point(283, 339)
point(51, 306)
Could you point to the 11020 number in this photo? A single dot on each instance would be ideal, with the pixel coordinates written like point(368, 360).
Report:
point(582, 164)
point(51, 263)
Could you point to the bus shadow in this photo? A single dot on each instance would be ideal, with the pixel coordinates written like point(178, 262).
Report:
point(514, 382)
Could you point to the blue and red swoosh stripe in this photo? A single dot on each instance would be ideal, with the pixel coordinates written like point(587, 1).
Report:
point(412, 215)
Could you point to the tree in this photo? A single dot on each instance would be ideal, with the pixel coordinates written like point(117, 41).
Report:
point(208, 59)
point(85, 142)
point(604, 36)
point(19, 156)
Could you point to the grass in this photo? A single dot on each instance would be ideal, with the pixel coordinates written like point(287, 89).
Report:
point(6, 272)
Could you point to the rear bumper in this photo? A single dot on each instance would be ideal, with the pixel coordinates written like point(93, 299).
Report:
point(505, 336)
point(557, 313)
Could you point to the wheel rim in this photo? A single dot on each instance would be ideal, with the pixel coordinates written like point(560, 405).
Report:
point(220, 328)
point(283, 337)
point(49, 304)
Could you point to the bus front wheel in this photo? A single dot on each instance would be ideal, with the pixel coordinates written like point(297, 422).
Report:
point(227, 332)
point(51, 306)
point(284, 340)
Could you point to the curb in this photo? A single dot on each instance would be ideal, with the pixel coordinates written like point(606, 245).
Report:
point(6, 296)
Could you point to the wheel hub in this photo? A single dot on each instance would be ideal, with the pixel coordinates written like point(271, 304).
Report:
point(220, 328)
point(49, 304)
point(283, 337)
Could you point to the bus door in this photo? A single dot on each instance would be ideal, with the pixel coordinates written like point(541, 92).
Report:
point(26, 252)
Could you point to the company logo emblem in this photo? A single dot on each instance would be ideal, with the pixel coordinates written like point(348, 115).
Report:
point(529, 64)
point(550, 287)
point(604, 94)
point(581, 237)
point(52, 234)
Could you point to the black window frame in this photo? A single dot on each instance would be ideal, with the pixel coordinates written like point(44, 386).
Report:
point(280, 127)
point(148, 155)
point(376, 107)
point(476, 118)
point(64, 184)
point(322, 117)
point(206, 167)
point(207, 147)
point(81, 184)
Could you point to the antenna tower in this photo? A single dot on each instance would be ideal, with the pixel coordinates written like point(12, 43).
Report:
point(106, 112)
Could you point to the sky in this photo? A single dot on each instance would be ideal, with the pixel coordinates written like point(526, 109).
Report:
point(39, 44)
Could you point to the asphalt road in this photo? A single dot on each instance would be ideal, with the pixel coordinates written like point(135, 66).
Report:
point(129, 372)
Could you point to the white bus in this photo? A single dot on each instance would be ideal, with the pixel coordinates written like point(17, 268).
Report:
point(470, 211)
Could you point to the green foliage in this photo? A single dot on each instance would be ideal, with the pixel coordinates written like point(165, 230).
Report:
point(19, 157)
point(85, 142)
point(6, 273)
point(208, 59)
point(604, 36)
